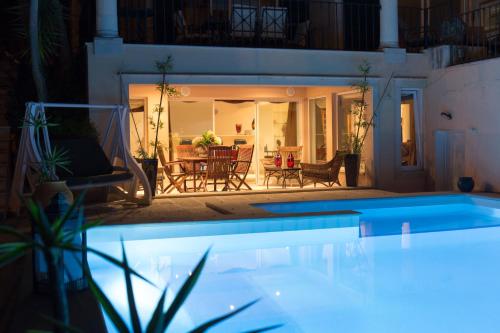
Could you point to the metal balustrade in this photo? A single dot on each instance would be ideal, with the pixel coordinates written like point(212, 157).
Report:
point(306, 24)
point(472, 35)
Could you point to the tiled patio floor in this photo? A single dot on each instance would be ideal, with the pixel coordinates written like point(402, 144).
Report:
point(230, 205)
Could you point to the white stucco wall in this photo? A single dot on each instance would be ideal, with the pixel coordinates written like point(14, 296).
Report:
point(112, 69)
point(471, 93)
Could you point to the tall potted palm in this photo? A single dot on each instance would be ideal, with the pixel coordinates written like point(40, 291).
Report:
point(149, 161)
point(362, 122)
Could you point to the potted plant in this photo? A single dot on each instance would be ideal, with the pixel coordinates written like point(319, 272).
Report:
point(201, 143)
point(355, 141)
point(49, 185)
point(149, 162)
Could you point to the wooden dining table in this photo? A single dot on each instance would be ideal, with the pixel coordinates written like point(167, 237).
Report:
point(194, 160)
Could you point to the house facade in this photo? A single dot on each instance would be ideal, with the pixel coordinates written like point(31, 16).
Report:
point(273, 73)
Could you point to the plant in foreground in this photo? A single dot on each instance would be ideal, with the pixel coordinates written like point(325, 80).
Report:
point(161, 318)
point(55, 239)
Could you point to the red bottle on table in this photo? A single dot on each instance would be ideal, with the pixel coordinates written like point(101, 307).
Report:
point(290, 161)
point(277, 160)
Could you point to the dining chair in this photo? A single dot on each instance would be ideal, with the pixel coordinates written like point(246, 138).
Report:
point(168, 171)
point(242, 166)
point(218, 167)
point(183, 151)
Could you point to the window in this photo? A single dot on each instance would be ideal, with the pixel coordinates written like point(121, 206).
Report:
point(410, 133)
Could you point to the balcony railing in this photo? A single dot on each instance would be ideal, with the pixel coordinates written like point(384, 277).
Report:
point(307, 24)
point(473, 35)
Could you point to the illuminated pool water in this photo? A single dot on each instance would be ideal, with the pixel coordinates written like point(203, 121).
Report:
point(379, 270)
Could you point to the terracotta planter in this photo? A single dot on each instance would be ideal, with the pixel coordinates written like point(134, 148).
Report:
point(150, 167)
point(45, 192)
point(352, 163)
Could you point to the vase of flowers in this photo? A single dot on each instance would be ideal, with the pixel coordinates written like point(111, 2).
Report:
point(201, 143)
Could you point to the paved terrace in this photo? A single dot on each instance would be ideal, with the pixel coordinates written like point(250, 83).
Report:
point(200, 207)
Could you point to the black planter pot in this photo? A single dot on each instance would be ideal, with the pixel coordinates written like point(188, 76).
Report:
point(351, 163)
point(150, 167)
point(465, 184)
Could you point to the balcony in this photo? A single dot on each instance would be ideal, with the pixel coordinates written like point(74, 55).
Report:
point(472, 35)
point(300, 24)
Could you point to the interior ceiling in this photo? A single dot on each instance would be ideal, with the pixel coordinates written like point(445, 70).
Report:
point(234, 90)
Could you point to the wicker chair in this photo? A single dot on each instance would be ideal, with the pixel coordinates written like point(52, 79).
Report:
point(218, 167)
point(324, 173)
point(242, 166)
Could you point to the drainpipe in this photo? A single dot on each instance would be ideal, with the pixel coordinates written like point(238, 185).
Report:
point(106, 19)
point(389, 24)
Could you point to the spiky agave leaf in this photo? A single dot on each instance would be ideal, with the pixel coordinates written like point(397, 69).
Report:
point(184, 292)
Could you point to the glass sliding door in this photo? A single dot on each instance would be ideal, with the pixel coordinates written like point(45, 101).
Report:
point(277, 126)
point(234, 122)
point(138, 126)
point(346, 122)
point(317, 126)
point(187, 120)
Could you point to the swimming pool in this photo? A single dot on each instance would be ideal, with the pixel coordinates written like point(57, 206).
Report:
point(332, 273)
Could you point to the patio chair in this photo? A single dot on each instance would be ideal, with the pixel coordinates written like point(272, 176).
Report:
point(301, 35)
point(273, 22)
point(218, 167)
point(243, 21)
point(324, 173)
point(187, 151)
point(167, 170)
point(242, 166)
point(185, 32)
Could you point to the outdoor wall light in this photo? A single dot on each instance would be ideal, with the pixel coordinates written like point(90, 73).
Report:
point(290, 91)
point(185, 91)
point(447, 115)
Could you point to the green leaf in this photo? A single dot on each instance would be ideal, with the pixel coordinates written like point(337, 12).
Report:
point(13, 232)
point(155, 324)
point(13, 254)
point(134, 316)
point(112, 260)
point(60, 221)
point(113, 315)
point(265, 329)
point(209, 324)
point(58, 323)
point(184, 292)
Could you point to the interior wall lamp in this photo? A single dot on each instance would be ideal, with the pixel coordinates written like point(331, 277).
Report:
point(447, 115)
